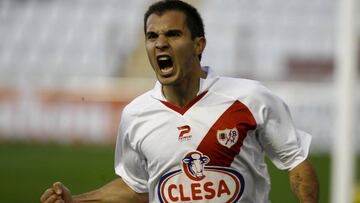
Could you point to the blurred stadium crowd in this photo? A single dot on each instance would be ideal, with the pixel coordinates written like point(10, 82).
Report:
point(68, 67)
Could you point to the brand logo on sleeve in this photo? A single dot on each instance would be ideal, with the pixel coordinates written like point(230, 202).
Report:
point(197, 182)
point(227, 137)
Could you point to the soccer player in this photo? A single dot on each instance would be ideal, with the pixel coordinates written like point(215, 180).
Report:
point(198, 137)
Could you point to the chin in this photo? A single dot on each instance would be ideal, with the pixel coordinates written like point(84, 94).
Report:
point(170, 80)
point(167, 81)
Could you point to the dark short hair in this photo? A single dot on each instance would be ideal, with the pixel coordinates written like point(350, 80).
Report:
point(193, 18)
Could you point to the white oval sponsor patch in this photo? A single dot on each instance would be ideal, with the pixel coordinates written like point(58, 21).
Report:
point(207, 184)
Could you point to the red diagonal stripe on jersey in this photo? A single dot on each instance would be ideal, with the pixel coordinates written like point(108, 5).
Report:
point(237, 115)
point(183, 110)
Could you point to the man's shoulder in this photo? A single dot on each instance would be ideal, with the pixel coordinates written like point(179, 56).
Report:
point(139, 103)
point(239, 87)
point(242, 81)
point(250, 92)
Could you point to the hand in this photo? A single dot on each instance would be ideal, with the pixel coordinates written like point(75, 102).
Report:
point(58, 193)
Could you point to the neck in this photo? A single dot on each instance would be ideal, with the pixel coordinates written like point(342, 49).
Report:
point(181, 94)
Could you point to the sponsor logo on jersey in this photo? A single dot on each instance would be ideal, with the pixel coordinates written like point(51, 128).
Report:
point(193, 165)
point(184, 133)
point(196, 182)
point(227, 137)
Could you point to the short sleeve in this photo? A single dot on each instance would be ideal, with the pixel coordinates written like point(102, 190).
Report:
point(285, 145)
point(129, 163)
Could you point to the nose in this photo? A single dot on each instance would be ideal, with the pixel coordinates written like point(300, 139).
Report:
point(162, 42)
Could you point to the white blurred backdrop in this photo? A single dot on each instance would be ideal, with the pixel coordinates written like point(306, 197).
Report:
point(68, 67)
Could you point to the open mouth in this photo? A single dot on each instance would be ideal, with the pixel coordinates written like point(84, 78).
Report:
point(165, 64)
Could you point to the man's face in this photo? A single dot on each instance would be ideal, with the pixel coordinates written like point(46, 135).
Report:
point(171, 51)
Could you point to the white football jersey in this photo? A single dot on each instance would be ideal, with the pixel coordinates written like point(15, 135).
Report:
point(211, 150)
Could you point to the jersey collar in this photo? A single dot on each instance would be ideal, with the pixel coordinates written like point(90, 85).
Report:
point(205, 84)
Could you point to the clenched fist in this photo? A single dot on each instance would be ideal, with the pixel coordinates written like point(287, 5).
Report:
point(58, 193)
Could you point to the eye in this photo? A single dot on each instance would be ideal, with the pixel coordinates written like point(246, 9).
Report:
point(151, 35)
point(173, 33)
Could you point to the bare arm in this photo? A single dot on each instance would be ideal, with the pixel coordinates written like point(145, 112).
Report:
point(304, 183)
point(114, 192)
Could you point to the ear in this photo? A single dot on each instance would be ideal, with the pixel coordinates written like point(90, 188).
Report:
point(205, 159)
point(199, 45)
point(186, 160)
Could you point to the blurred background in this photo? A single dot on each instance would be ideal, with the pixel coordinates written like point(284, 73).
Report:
point(68, 67)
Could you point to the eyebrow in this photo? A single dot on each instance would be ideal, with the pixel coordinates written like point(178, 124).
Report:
point(167, 32)
point(173, 31)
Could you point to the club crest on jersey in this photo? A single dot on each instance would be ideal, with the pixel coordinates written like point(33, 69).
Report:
point(198, 182)
point(227, 137)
